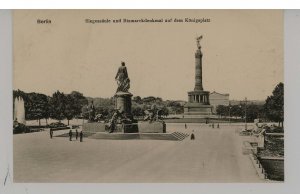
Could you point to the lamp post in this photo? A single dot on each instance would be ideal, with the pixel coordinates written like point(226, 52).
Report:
point(246, 114)
point(229, 114)
point(245, 111)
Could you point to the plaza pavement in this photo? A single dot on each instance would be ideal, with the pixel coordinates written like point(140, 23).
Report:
point(214, 156)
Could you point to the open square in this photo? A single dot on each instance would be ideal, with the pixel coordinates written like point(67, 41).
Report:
point(214, 156)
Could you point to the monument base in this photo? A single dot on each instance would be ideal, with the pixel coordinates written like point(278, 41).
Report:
point(140, 127)
point(198, 104)
point(197, 109)
point(152, 127)
point(101, 127)
point(123, 103)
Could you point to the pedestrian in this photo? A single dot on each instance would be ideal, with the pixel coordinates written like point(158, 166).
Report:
point(51, 133)
point(81, 136)
point(192, 136)
point(185, 125)
point(76, 134)
point(218, 126)
point(213, 125)
point(70, 135)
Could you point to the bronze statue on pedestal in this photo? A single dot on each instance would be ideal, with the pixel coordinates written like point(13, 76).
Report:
point(122, 79)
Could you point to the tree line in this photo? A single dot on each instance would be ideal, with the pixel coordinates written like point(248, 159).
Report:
point(105, 106)
point(271, 110)
point(59, 106)
point(62, 106)
point(139, 105)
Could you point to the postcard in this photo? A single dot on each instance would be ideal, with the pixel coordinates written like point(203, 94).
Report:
point(148, 96)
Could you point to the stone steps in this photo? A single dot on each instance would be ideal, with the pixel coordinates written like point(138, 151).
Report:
point(139, 136)
point(180, 136)
point(175, 136)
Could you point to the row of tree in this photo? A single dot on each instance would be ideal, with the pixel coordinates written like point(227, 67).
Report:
point(62, 106)
point(251, 111)
point(59, 106)
point(167, 106)
point(272, 110)
point(105, 106)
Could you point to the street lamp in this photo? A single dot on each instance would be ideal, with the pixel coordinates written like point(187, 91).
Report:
point(229, 114)
point(246, 114)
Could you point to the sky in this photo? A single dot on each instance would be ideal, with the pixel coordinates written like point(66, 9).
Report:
point(242, 52)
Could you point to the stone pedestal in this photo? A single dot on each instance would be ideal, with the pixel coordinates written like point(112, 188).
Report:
point(139, 127)
point(123, 102)
point(198, 104)
point(151, 127)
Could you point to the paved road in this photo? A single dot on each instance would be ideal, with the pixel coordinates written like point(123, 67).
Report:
point(215, 156)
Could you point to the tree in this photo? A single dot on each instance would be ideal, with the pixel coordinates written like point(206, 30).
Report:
point(38, 107)
point(79, 101)
point(274, 105)
point(74, 102)
point(236, 111)
point(176, 107)
point(70, 108)
point(254, 112)
point(137, 99)
point(149, 100)
point(222, 110)
point(85, 112)
point(58, 106)
point(164, 111)
point(137, 111)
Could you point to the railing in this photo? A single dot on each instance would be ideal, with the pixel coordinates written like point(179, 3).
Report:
point(260, 167)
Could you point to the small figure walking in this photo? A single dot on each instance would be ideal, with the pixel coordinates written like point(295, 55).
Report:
point(76, 134)
point(213, 125)
point(81, 136)
point(218, 126)
point(70, 135)
point(185, 126)
point(192, 136)
point(51, 133)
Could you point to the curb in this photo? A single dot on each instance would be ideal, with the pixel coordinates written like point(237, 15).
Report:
point(258, 167)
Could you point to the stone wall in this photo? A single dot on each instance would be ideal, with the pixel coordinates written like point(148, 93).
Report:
point(140, 127)
point(152, 127)
point(94, 127)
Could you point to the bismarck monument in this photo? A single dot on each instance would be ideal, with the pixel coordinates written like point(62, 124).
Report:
point(122, 96)
point(122, 120)
point(198, 100)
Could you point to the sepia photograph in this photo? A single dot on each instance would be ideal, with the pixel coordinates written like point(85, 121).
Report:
point(148, 96)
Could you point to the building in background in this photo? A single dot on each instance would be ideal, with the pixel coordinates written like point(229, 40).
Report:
point(218, 99)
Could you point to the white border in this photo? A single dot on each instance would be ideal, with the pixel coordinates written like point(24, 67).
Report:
point(149, 4)
point(5, 97)
point(292, 94)
point(292, 107)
